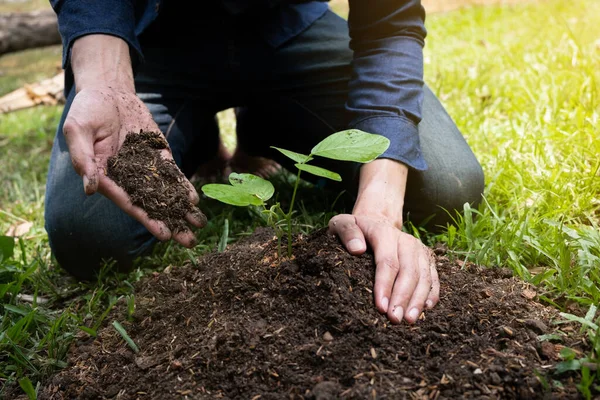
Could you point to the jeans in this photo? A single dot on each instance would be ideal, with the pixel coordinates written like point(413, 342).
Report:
point(291, 97)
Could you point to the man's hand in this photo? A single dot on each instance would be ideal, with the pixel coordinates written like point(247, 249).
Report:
point(406, 280)
point(103, 111)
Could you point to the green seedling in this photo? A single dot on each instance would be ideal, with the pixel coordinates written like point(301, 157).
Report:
point(119, 328)
point(588, 365)
point(250, 190)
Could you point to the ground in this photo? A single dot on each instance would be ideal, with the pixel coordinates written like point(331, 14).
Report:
point(241, 324)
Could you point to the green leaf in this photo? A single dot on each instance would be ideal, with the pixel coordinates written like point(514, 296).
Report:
point(89, 331)
point(16, 309)
point(582, 321)
point(233, 195)
point(125, 336)
point(28, 388)
point(7, 247)
point(589, 316)
point(567, 354)
point(550, 337)
point(253, 184)
point(571, 365)
point(352, 145)
point(325, 173)
point(298, 157)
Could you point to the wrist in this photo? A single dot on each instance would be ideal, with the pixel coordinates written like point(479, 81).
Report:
point(381, 191)
point(101, 61)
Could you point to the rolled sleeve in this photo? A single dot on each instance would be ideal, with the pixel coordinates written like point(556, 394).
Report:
point(386, 88)
point(403, 136)
point(77, 18)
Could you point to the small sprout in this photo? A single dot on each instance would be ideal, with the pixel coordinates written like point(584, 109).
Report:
point(125, 336)
point(130, 306)
point(250, 190)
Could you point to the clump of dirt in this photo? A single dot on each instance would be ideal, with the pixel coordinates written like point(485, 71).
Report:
point(241, 325)
point(152, 182)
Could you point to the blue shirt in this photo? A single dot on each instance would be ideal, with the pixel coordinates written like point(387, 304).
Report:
point(387, 38)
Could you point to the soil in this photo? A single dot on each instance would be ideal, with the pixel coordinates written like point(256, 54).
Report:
point(242, 325)
point(153, 183)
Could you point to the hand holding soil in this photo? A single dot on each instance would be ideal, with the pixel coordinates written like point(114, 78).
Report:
point(96, 129)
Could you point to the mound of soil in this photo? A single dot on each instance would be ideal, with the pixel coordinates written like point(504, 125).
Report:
point(152, 182)
point(240, 325)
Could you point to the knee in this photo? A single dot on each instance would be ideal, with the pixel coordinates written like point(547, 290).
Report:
point(83, 241)
point(442, 201)
point(461, 188)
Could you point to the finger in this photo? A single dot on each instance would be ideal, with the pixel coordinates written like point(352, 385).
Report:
point(434, 294)
point(386, 271)
point(80, 141)
point(406, 280)
point(344, 225)
point(186, 238)
point(196, 218)
point(193, 194)
point(423, 288)
point(118, 196)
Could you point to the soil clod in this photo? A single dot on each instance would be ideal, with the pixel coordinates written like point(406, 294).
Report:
point(152, 182)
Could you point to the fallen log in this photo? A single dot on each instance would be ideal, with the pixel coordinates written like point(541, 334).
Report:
point(27, 30)
point(46, 92)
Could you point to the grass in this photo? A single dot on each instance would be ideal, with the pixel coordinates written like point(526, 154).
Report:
point(521, 83)
point(18, 69)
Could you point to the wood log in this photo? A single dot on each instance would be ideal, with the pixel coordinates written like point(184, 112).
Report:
point(47, 92)
point(20, 31)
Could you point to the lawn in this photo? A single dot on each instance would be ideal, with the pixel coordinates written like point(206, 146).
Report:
point(521, 83)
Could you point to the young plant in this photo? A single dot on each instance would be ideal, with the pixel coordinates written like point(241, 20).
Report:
point(250, 190)
point(587, 365)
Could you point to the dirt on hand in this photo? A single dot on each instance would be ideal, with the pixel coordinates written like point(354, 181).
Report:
point(152, 182)
point(242, 325)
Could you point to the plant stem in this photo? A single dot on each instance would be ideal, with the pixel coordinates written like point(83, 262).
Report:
point(288, 216)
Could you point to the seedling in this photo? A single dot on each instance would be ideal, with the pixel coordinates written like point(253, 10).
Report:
point(250, 190)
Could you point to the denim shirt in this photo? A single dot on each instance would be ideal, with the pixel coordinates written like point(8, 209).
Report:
point(387, 38)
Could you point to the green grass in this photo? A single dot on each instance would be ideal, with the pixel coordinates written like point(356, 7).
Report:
point(18, 69)
point(519, 81)
point(521, 84)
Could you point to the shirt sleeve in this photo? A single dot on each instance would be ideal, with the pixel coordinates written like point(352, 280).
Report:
point(386, 88)
point(77, 18)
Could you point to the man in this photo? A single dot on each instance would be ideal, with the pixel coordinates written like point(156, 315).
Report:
point(296, 72)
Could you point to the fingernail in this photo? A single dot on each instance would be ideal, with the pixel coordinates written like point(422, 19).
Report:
point(399, 312)
point(355, 245)
point(413, 314)
point(429, 304)
point(385, 302)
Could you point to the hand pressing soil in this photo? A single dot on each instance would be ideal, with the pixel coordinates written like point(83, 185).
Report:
point(153, 183)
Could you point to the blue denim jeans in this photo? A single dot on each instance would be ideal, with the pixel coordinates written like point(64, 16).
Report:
point(290, 97)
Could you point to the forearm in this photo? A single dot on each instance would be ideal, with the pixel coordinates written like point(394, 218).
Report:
point(102, 60)
point(381, 190)
point(386, 90)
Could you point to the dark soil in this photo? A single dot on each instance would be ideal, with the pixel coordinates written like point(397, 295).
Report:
point(240, 325)
point(153, 183)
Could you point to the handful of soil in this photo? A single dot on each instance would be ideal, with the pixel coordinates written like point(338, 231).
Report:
point(153, 183)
